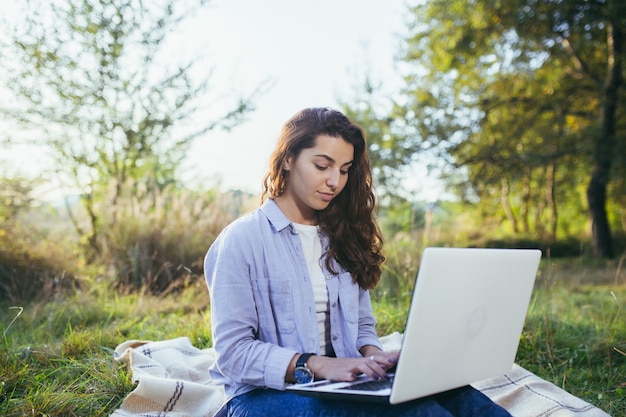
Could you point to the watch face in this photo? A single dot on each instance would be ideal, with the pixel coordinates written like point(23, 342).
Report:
point(303, 375)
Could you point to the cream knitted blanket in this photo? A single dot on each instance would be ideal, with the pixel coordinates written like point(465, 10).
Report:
point(173, 381)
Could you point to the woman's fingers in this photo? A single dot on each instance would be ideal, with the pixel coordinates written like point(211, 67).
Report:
point(375, 366)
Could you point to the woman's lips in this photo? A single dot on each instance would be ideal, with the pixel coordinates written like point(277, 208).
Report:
point(327, 196)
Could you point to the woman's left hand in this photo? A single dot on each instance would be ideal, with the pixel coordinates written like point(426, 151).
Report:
point(386, 360)
point(381, 357)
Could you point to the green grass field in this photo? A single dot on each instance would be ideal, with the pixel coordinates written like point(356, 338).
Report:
point(56, 359)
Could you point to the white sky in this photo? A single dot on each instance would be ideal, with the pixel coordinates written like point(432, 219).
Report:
point(315, 52)
point(312, 50)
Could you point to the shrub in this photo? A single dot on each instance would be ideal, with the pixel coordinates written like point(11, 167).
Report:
point(34, 265)
point(155, 239)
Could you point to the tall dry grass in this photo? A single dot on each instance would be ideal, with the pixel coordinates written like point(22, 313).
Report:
point(157, 238)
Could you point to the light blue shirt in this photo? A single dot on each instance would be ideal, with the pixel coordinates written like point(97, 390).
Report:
point(262, 304)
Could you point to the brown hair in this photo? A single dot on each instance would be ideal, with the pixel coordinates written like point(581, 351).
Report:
point(355, 239)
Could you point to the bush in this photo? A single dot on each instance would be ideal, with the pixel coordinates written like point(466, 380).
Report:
point(158, 238)
point(562, 248)
point(33, 265)
point(36, 261)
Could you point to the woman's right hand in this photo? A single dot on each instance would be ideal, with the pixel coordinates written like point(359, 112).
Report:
point(348, 369)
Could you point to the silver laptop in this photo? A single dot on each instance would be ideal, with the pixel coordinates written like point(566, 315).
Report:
point(464, 325)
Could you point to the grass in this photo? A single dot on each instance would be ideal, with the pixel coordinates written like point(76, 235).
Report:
point(575, 330)
point(56, 359)
point(575, 333)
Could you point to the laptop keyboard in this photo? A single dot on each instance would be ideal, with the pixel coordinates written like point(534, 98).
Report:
point(370, 385)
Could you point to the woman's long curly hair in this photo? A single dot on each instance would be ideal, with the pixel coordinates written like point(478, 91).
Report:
point(355, 239)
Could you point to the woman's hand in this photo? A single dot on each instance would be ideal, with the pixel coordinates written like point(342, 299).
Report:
point(388, 360)
point(348, 369)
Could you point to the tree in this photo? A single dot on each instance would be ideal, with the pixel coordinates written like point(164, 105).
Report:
point(523, 94)
point(385, 153)
point(92, 82)
point(393, 144)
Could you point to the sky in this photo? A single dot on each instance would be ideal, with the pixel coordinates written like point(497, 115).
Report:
point(312, 52)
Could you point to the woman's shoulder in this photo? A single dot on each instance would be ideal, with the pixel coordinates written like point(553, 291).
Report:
point(258, 225)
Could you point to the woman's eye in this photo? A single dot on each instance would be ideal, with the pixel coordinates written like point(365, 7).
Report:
point(324, 168)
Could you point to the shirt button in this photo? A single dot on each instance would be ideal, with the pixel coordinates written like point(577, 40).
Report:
point(329, 277)
point(334, 305)
point(335, 337)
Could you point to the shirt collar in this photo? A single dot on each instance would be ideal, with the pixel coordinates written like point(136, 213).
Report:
point(275, 215)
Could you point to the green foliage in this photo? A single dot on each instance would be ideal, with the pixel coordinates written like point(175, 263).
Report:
point(16, 195)
point(392, 144)
point(403, 216)
point(574, 337)
point(519, 99)
point(400, 268)
point(32, 266)
point(153, 240)
point(156, 238)
point(94, 84)
point(575, 331)
point(56, 358)
point(42, 383)
point(35, 261)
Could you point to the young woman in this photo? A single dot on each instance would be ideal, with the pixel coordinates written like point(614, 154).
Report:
point(289, 283)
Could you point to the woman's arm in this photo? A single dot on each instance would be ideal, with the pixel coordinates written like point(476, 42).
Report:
point(235, 326)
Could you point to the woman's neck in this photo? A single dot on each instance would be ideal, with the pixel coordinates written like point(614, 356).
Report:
point(295, 213)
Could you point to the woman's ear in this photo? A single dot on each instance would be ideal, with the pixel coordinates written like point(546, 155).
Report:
point(287, 164)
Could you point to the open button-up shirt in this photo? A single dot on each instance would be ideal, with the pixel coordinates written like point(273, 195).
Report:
point(262, 304)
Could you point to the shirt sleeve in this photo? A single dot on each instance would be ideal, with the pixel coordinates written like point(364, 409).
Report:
point(367, 322)
point(241, 358)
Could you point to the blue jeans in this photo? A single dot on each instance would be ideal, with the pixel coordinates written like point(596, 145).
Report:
point(461, 402)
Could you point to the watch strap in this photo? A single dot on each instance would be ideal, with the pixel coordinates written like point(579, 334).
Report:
point(301, 362)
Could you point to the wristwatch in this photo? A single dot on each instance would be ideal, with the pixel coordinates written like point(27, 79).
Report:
point(301, 373)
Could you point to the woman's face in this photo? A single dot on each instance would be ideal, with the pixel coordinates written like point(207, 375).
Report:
point(315, 177)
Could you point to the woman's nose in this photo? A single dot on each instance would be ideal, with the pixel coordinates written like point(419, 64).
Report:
point(333, 178)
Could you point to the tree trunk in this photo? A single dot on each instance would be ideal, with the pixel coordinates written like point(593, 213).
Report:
point(550, 200)
point(525, 203)
point(504, 198)
point(602, 242)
